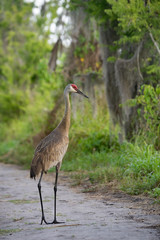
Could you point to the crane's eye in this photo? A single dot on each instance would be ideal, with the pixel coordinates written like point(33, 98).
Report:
point(74, 86)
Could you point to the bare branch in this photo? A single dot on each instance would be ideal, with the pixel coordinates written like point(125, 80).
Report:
point(53, 58)
point(154, 41)
point(138, 65)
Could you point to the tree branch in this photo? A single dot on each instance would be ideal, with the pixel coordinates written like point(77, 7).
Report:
point(154, 41)
point(138, 65)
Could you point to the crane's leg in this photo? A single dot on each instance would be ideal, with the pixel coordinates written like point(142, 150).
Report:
point(40, 195)
point(55, 195)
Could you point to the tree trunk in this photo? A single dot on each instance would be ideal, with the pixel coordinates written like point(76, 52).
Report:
point(107, 37)
point(122, 79)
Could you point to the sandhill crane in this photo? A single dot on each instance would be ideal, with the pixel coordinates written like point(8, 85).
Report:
point(51, 150)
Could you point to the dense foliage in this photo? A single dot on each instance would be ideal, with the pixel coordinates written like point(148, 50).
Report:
point(23, 50)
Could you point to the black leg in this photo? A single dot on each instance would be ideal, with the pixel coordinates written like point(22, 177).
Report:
point(40, 195)
point(55, 195)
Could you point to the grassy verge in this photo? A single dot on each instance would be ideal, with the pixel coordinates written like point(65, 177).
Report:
point(136, 168)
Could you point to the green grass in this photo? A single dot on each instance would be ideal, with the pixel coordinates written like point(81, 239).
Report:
point(23, 201)
point(9, 231)
point(142, 173)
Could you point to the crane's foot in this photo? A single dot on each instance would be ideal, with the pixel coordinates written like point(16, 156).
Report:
point(56, 222)
point(43, 220)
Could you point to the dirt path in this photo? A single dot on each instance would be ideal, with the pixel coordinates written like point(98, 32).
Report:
point(85, 218)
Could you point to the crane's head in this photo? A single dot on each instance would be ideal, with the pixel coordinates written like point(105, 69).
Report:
point(74, 89)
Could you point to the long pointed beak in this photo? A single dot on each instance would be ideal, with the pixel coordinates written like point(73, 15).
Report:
point(81, 93)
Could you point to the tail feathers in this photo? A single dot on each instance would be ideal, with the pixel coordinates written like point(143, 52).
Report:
point(33, 172)
point(36, 167)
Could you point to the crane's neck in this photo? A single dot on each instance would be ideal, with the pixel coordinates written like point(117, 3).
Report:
point(65, 123)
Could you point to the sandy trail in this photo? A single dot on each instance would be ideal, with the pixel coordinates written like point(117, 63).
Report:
point(85, 218)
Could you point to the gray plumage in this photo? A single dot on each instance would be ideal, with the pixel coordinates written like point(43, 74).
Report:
point(51, 150)
point(49, 153)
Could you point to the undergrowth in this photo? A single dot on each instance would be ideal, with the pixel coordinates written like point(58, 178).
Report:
point(136, 168)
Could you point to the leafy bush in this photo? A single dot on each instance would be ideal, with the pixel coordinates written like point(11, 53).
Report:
point(148, 103)
point(97, 142)
point(13, 102)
